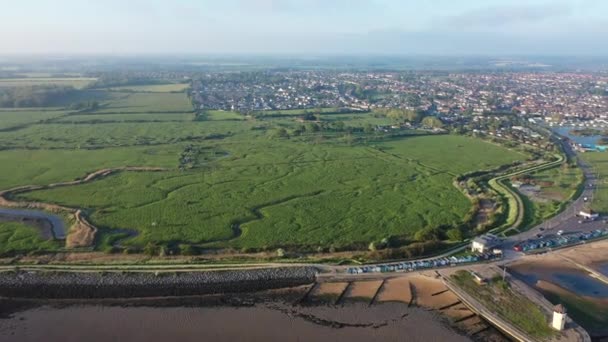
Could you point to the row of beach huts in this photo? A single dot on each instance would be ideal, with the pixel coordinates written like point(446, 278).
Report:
point(410, 266)
point(560, 241)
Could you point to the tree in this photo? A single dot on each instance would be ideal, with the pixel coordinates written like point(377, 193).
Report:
point(455, 234)
point(185, 249)
point(280, 253)
point(279, 133)
point(372, 246)
point(432, 121)
point(151, 249)
point(428, 234)
point(368, 128)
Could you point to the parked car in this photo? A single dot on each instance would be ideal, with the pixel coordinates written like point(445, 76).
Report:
point(560, 232)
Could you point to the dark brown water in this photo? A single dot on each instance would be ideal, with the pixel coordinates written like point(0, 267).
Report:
point(262, 322)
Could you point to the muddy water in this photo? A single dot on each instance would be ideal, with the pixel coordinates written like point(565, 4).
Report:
point(585, 297)
point(602, 267)
point(262, 322)
point(574, 280)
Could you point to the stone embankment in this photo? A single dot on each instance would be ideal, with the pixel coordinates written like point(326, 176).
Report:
point(131, 285)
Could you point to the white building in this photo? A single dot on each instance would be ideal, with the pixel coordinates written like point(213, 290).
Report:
point(485, 243)
point(588, 214)
point(559, 317)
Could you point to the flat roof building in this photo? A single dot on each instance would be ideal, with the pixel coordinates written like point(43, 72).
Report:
point(485, 243)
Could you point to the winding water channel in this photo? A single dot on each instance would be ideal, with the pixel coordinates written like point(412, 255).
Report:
point(57, 225)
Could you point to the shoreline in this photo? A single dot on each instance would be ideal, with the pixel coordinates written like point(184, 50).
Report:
point(95, 285)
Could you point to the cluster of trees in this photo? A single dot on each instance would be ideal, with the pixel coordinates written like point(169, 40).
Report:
point(412, 116)
point(34, 96)
point(314, 127)
point(88, 105)
point(122, 79)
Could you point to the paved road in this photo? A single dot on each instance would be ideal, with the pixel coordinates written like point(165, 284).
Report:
point(58, 227)
point(567, 220)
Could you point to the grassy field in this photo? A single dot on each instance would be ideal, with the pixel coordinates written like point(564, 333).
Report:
point(39, 167)
point(215, 115)
point(19, 238)
point(146, 103)
point(599, 163)
point(296, 112)
point(154, 88)
point(557, 185)
point(286, 194)
point(12, 119)
point(237, 183)
point(121, 117)
point(76, 82)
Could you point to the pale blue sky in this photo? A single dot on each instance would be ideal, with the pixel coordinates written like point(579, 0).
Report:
point(305, 26)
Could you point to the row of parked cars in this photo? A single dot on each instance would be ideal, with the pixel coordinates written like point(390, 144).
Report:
point(560, 241)
point(410, 266)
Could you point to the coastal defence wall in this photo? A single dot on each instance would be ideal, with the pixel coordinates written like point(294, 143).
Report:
point(94, 285)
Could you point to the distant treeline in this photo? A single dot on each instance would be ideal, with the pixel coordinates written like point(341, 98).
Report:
point(117, 79)
point(33, 96)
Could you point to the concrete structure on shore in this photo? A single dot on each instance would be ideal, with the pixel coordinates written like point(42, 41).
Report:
point(559, 317)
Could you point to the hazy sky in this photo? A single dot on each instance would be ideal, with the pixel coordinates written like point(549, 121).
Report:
point(568, 27)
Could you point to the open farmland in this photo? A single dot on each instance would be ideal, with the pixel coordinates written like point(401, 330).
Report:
point(599, 164)
point(76, 82)
point(13, 119)
point(153, 88)
point(146, 103)
point(124, 117)
point(269, 194)
point(241, 182)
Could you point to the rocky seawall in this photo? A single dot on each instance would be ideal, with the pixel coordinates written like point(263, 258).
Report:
point(130, 284)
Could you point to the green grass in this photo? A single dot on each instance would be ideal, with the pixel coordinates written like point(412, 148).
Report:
point(300, 192)
point(76, 82)
point(296, 112)
point(214, 115)
point(146, 103)
point(154, 88)
point(12, 119)
point(284, 194)
point(130, 117)
point(565, 181)
point(74, 136)
point(565, 185)
point(513, 307)
point(20, 238)
point(599, 164)
point(39, 167)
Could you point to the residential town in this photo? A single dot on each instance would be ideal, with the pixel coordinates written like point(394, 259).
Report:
point(551, 96)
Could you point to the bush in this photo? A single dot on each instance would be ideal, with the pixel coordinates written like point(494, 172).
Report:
point(429, 234)
point(185, 249)
point(151, 249)
point(455, 234)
